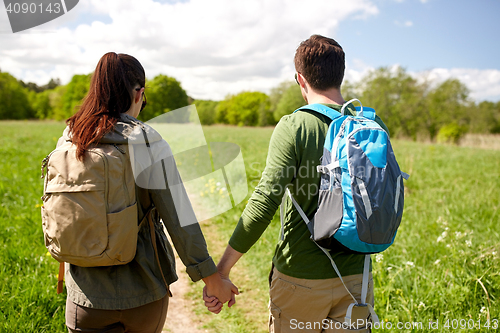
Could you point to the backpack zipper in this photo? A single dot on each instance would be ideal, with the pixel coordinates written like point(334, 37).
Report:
point(124, 161)
point(119, 149)
point(106, 177)
point(45, 161)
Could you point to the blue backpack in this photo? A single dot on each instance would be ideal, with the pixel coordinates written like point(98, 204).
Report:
point(361, 192)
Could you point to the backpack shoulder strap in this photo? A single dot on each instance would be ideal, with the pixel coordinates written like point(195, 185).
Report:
point(321, 109)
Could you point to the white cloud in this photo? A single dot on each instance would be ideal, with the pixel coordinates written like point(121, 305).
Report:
point(212, 47)
point(356, 69)
point(484, 84)
point(406, 24)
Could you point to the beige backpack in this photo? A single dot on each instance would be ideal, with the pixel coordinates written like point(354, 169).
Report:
point(89, 212)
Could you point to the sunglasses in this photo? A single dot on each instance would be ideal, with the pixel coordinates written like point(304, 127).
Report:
point(296, 80)
point(144, 101)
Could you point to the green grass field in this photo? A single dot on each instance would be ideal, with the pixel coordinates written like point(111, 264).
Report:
point(444, 266)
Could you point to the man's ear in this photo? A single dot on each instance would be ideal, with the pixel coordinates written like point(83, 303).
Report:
point(302, 81)
point(303, 85)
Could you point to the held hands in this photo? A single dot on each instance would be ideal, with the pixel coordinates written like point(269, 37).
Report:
point(214, 301)
point(217, 291)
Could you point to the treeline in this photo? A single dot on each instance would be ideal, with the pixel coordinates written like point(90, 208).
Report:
point(411, 108)
point(417, 109)
point(19, 100)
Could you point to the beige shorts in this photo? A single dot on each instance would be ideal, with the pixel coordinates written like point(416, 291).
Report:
point(304, 305)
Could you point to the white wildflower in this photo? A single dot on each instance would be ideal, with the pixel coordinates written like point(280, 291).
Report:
point(442, 237)
point(218, 184)
point(442, 221)
point(389, 268)
point(379, 257)
point(468, 242)
point(483, 309)
point(448, 245)
point(494, 253)
point(459, 234)
point(421, 305)
point(437, 262)
point(410, 263)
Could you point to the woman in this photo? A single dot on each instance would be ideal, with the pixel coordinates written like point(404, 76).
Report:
point(132, 297)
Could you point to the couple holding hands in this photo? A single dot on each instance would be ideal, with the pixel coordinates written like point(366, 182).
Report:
point(305, 291)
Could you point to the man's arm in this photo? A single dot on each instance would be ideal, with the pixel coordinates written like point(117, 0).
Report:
point(228, 260)
point(280, 169)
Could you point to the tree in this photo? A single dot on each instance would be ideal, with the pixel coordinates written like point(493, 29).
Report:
point(76, 90)
point(14, 103)
point(397, 98)
point(484, 117)
point(290, 101)
point(222, 109)
point(51, 85)
point(266, 117)
point(164, 94)
point(350, 90)
point(56, 103)
point(447, 103)
point(40, 103)
point(276, 95)
point(496, 128)
point(206, 111)
point(243, 109)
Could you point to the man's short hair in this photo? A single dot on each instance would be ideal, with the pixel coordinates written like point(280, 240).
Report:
point(321, 61)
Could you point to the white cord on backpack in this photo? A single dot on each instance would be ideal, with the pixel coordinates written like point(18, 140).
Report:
point(306, 219)
point(366, 266)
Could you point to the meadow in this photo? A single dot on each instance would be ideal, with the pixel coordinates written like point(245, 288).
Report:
point(442, 274)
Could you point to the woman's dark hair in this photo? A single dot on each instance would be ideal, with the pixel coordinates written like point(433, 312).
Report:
point(110, 94)
point(321, 61)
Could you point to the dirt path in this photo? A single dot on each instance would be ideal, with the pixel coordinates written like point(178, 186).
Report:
point(180, 315)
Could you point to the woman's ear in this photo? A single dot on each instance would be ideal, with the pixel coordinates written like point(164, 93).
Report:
point(138, 94)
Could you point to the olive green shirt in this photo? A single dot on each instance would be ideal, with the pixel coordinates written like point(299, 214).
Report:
point(295, 150)
point(140, 281)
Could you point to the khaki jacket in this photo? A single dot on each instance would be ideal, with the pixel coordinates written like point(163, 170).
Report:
point(140, 281)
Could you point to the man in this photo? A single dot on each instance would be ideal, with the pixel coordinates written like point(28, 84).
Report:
point(306, 294)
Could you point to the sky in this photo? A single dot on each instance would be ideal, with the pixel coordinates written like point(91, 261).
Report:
point(220, 47)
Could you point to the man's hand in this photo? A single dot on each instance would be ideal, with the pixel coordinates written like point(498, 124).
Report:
point(210, 295)
point(223, 289)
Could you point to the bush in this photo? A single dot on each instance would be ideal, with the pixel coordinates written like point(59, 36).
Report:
point(206, 111)
point(243, 109)
point(14, 103)
point(451, 133)
point(164, 94)
point(290, 101)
